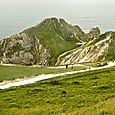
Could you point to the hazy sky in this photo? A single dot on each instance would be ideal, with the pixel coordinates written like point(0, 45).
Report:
point(70, 9)
point(19, 14)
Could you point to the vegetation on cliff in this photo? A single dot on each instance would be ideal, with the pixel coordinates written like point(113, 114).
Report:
point(53, 41)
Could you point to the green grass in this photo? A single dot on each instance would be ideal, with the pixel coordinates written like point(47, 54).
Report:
point(13, 72)
point(55, 37)
point(110, 54)
point(89, 93)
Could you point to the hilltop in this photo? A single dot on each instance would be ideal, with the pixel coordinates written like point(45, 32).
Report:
point(56, 42)
point(41, 44)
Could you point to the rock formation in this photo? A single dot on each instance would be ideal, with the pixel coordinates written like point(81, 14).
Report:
point(21, 49)
point(55, 42)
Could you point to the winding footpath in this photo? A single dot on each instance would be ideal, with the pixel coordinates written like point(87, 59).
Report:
point(20, 82)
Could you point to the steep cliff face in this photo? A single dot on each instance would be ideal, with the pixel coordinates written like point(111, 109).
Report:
point(93, 51)
point(21, 49)
point(55, 42)
point(41, 44)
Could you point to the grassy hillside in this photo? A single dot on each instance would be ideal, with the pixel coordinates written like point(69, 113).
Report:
point(44, 43)
point(41, 44)
point(13, 72)
point(96, 50)
point(110, 54)
point(90, 93)
point(57, 36)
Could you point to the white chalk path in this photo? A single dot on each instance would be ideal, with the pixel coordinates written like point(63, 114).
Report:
point(20, 82)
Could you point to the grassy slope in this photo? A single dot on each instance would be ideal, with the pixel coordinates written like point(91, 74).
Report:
point(55, 37)
point(13, 72)
point(90, 93)
point(96, 40)
point(110, 55)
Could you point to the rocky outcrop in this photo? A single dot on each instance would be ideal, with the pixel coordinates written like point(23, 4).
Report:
point(93, 33)
point(92, 53)
point(54, 41)
point(41, 44)
point(21, 49)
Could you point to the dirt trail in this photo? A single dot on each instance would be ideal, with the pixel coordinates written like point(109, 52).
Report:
point(19, 82)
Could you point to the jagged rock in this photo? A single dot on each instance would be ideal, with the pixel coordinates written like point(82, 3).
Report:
point(5, 60)
point(19, 49)
point(27, 59)
point(91, 52)
point(94, 33)
point(15, 60)
point(45, 44)
point(41, 44)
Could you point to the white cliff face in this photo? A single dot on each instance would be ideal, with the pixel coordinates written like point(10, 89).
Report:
point(90, 53)
point(21, 49)
point(42, 45)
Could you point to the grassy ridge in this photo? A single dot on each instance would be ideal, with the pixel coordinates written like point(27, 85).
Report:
point(57, 36)
point(110, 54)
point(90, 93)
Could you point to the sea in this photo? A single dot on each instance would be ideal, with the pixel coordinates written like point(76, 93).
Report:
point(17, 15)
